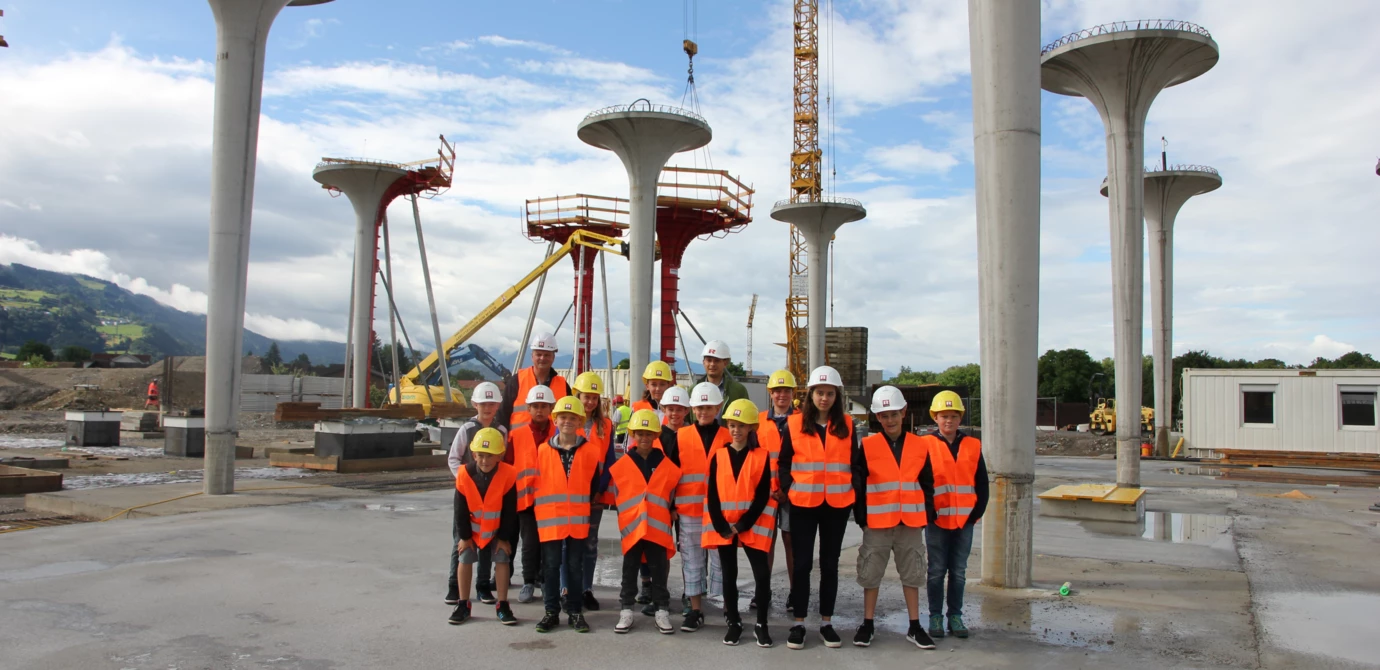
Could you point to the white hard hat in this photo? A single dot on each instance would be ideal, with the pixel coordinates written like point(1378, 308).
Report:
point(887, 399)
point(705, 394)
point(544, 342)
point(486, 392)
point(717, 349)
point(540, 393)
point(676, 396)
point(825, 375)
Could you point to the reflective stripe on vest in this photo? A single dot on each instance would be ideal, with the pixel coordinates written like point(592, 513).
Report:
point(820, 472)
point(486, 511)
point(605, 444)
point(694, 468)
point(527, 378)
point(644, 507)
point(524, 447)
point(769, 436)
point(562, 502)
point(893, 489)
point(955, 492)
point(735, 498)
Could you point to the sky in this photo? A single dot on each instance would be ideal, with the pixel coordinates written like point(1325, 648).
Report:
point(105, 138)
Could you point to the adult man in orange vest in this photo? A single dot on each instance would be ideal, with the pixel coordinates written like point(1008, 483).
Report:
point(524, 442)
point(644, 484)
point(514, 412)
point(955, 504)
point(890, 474)
point(569, 469)
point(486, 520)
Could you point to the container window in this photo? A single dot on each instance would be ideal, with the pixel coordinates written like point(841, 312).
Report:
point(1258, 405)
point(1358, 407)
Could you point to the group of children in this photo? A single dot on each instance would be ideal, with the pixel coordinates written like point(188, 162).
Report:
point(702, 477)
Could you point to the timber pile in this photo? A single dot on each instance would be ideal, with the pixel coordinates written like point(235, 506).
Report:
point(451, 410)
point(15, 481)
point(1300, 459)
point(355, 465)
point(312, 411)
point(1320, 479)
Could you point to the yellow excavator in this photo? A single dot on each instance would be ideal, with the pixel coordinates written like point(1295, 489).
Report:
point(422, 384)
point(1102, 419)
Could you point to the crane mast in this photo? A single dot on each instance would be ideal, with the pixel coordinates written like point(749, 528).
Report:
point(752, 312)
point(806, 179)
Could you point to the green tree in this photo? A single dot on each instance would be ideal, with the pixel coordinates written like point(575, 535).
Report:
point(736, 369)
point(623, 364)
point(273, 357)
point(1064, 374)
point(466, 374)
point(909, 377)
point(968, 376)
point(385, 354)
point(74, 354)
point(302, 362)
point(35, 348)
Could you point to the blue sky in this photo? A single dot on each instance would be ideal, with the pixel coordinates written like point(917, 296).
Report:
point(111, 100)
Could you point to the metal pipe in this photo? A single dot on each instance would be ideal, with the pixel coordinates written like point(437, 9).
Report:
point(431, 302)
point(392, 316)
point(608, 333)
point(388, 290)
point(347, 398)
point(532, 315)
point(563, 318)
point(580, 361)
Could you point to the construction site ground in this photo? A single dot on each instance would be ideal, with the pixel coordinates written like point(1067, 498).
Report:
point(352, 574)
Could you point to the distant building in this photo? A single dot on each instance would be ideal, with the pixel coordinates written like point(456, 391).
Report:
point(1281, 410)
point(120, 360)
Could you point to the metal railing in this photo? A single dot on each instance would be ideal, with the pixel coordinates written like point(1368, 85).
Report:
point(645, 105)
point(701, 188)
point(826, 201)
point(1124, 26)
point(1183, 168)
point(574, 211)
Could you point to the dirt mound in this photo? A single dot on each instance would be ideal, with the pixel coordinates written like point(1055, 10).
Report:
point(93, 388)
point(1072, 443)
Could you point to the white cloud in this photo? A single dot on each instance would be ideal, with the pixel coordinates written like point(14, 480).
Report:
point(913, 157)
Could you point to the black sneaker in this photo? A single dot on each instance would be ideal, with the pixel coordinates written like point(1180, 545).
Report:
point(590, 603)
point(505, 614)
point(643, 597)
point(549, 622)
point(735, 633)
point(763, 637)
point(693, 621)
point(752, 604)
point(864, 636)
point(453, 594)
point(649, 609)
point(919, 637)
point(831, 639)
point(486, 595)
point(577, 621)
point(796, 640)
point(461, 613)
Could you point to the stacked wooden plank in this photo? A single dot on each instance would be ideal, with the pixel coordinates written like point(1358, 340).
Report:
point(23, 480)
point(1300, 459)
point(1316, 479)
point(312, 411)
point(337, 464)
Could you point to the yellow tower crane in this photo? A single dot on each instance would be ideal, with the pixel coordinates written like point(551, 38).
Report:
point(807, 182)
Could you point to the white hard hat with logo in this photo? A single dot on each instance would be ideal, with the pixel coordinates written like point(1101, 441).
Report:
point(887, 399)
point(541, 393)
point(706, 394)
point(486, 392)
point(544, 342)
point(825, 375)
point(716, 349)
point(676, 396)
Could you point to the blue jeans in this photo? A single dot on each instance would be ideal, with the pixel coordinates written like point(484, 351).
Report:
point(948, 553)
point(557, 571)
point(591, 545)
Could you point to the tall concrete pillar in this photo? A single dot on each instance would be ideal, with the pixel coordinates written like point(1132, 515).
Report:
point(368, 186)
point(1166, 191)
point(817, 222)
point(644, 136)
point(241, 40)
point(1120, 68)
point(1004, 35)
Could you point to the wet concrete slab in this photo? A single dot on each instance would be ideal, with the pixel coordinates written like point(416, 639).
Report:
point(185, 497)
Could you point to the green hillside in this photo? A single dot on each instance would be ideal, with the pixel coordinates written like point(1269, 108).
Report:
point(65, 310)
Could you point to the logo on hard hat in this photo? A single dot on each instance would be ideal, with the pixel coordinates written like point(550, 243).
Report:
point(824, 378)
point(948, 403)
point(644, 422)
point(886, 403)
point(569, 406)
point(781, 380)
point(737, 412)
point(713, 351)
point(541, 394)
point(486, 443)
point(704, 397)
point(657, 373)
point(488, 394)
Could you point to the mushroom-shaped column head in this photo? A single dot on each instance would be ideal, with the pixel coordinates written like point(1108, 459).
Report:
point(644, 136)
point(817, 222)
point(1120, 68)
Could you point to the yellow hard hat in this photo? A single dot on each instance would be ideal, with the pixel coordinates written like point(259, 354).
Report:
point(569, 405)
point(743, 411)
point(946, 401)
point(488, 441)
point(644, 420)
point(659, 370)
point(781, 379)
point(589, 382)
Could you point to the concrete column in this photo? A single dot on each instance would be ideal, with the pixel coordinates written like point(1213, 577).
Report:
point(1004, 36)
point(644, 137)
point(817, 223)
point(1120, 68)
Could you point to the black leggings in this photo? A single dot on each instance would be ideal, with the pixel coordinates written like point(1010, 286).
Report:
point(830, 522)
point(761, 577)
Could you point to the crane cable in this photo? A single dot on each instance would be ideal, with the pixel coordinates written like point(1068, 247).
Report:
point(690, 17)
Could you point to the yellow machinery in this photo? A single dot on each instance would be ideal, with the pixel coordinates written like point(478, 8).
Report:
point(1103, 418)
point(420, 385)
point(807, 182)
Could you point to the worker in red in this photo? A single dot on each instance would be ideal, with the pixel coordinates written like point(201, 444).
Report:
point(152, 399)
point(486, 516)
point(739, 512)
point(514, 412)
point(643, 484)
point(890, 475)
point(956, 504)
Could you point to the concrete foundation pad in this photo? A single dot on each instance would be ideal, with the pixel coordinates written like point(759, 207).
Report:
point(1094, 502)
point(169, 499)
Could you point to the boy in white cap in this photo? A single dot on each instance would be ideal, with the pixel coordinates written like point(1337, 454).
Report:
point(523, 443)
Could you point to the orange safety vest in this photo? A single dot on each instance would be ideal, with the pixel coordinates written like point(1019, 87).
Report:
point(153, 390)
point(769, 436)
point(735, 497)
point(642, 404)
point(644, 507)
point(562, 503)
point(524, 447)
point(486, 510)
point(604, 444)
point(694, 468)
point(955, 494)
point(820, 473)
point(893, 489)
point(527, 378)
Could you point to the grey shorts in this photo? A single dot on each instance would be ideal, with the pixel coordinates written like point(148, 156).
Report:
point(783, 516)
point(470, 556)
point(876, 549)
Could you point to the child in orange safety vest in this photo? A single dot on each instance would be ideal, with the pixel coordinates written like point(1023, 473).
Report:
point(695, 445)
point(569, 468)
point(739, 512)
point(955, 505)
point(643, 483)
point(891, 472)
point(486, 521)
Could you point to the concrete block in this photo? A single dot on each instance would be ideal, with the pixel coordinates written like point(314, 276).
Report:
point(93, 429)
point(23, 480)
point(1092, 510)
point(449, 427)
point(184, 436)
point(35, 463)
point(139, 422)
point(364, 440)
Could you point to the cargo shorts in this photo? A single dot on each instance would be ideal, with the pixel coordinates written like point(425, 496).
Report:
point(471, 556)
point(877, 546)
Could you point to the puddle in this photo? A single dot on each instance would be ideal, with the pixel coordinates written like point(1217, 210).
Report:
point(1334, 625)
point(1200, 470)
point(173, 477)
point(11, 442)
point(390, 507)
point(1185, 528)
